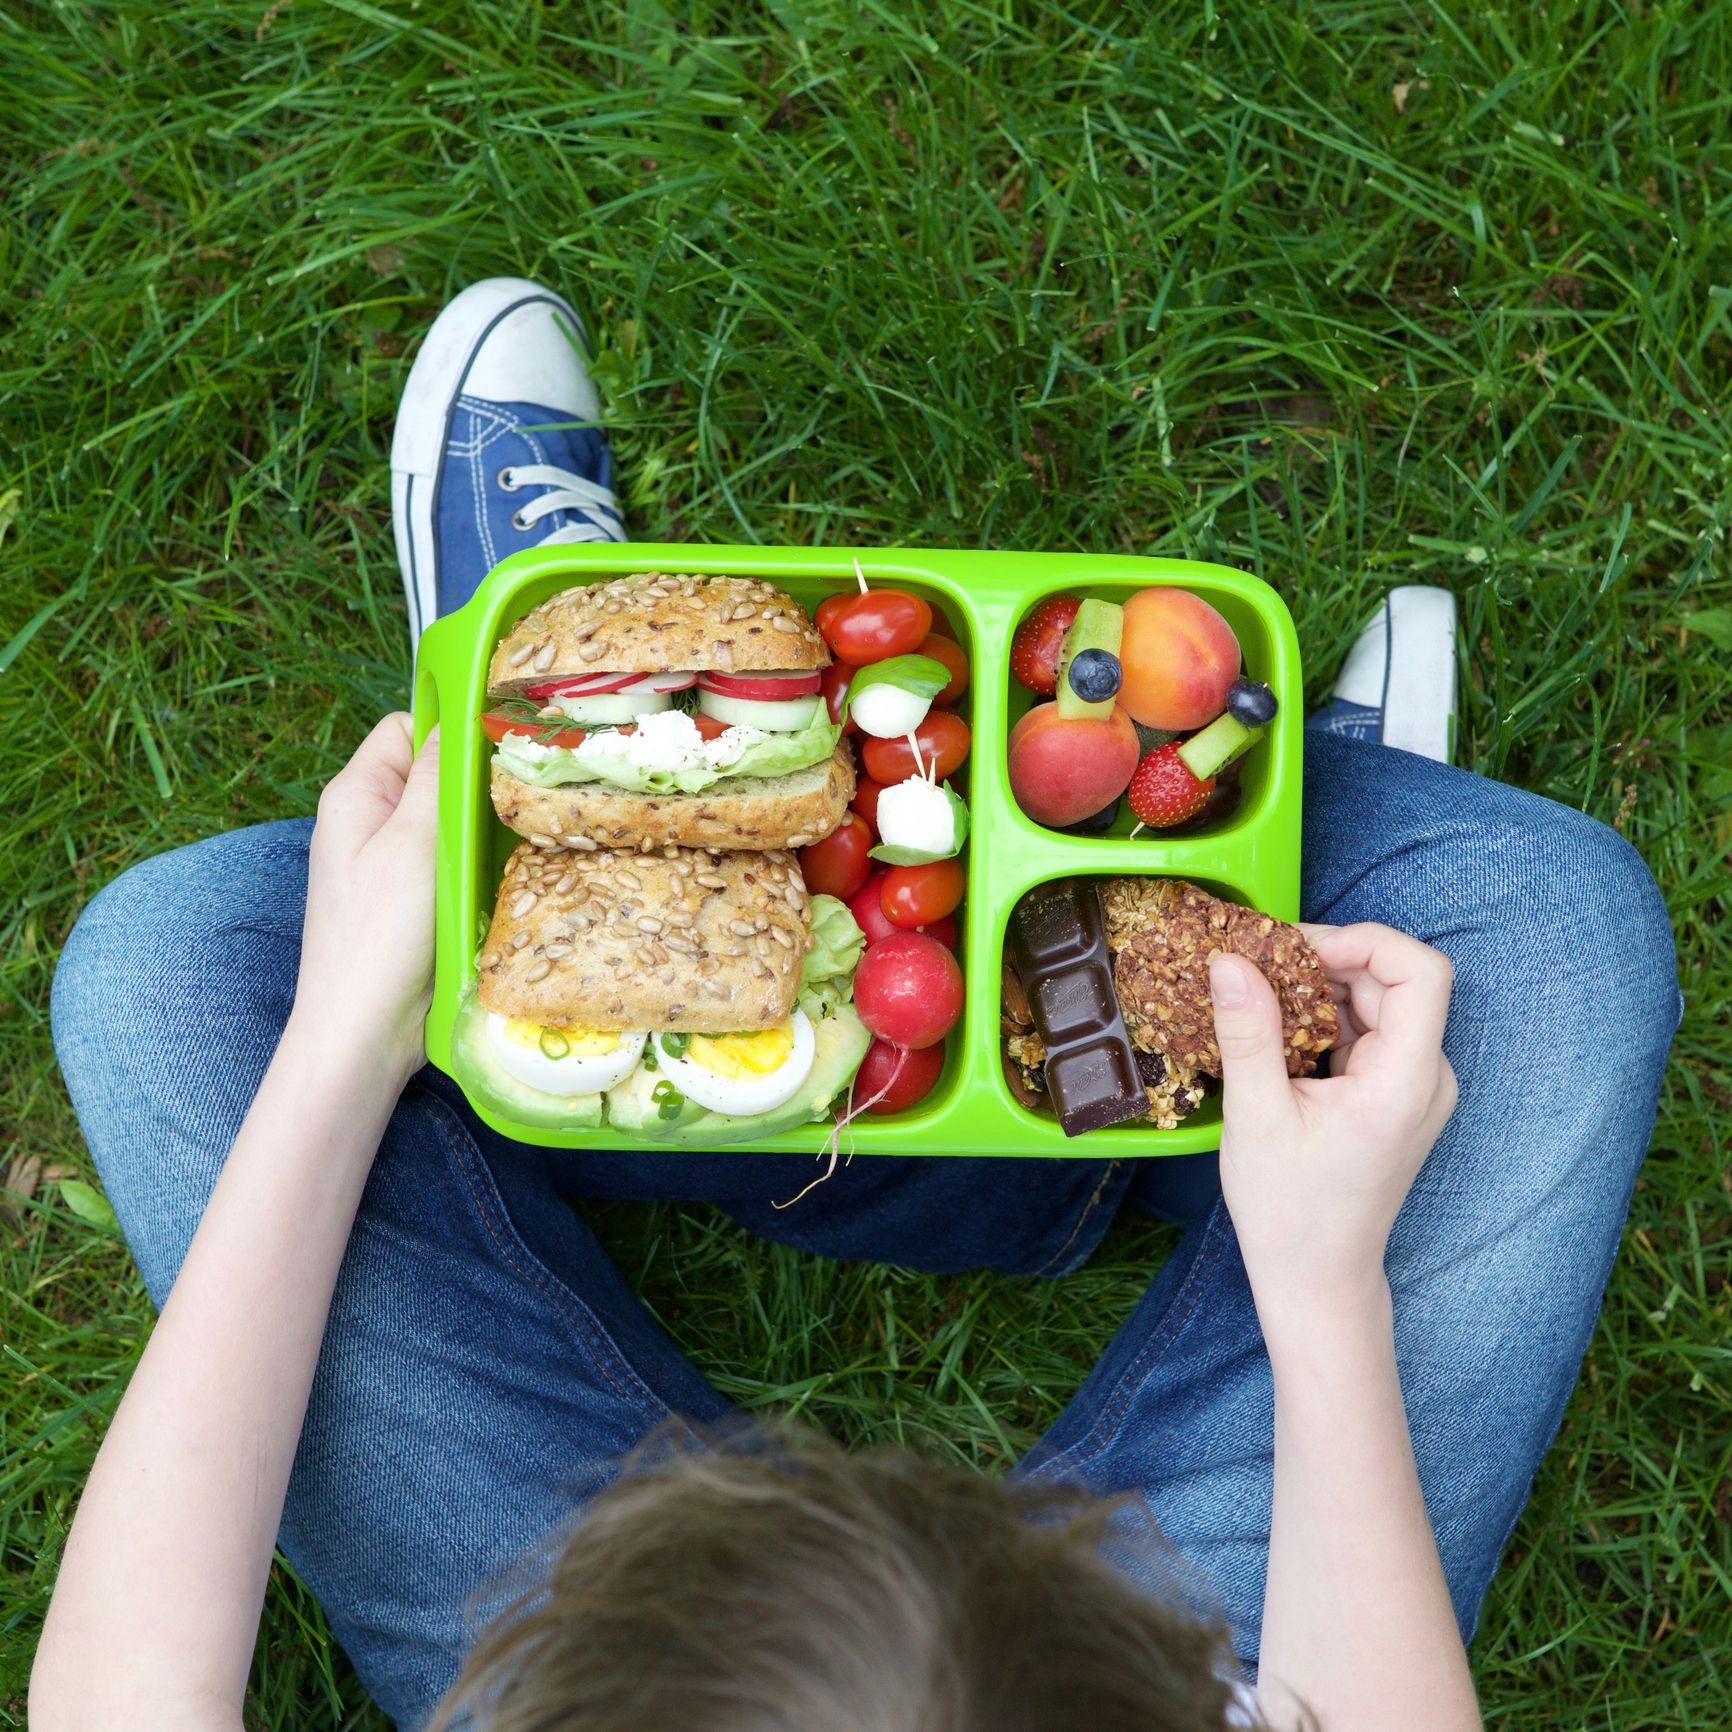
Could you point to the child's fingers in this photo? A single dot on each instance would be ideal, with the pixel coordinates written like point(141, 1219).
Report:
point(1399, 986)
point(1256, 1095)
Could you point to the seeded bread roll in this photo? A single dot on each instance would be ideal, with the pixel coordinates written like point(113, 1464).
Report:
point(684, 939)
point(655, 623)
point(785, 811)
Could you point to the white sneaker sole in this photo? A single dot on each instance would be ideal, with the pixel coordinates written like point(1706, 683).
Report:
point(1404, 665)
point(423, 430)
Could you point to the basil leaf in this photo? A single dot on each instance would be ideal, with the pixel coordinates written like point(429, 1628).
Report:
point(921, 675)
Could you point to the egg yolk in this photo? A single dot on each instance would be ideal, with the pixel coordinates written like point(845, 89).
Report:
point(581, 1042)
point(743, 1055)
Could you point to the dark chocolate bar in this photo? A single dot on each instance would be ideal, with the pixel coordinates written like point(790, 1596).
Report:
point(1057, 944)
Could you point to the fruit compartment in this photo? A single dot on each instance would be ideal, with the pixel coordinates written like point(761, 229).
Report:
point(1267, 655)
point(1253, 857)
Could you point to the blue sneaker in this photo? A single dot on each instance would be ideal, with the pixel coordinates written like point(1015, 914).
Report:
point(486, 459)
point(1397, 686)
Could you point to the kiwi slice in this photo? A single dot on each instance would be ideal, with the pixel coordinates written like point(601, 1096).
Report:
point(1099, 625)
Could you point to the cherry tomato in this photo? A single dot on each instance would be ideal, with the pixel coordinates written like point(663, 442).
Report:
point(942, 736)
point(943, 929)
point(838, 866)
point(838, 676)
point(866, 793)
point(943, 649)
point(867, 907)
point(829, 607)
point(905, 1074)
point(499, 726)
point(908, 990)
point(875, 625)
point(913, 895)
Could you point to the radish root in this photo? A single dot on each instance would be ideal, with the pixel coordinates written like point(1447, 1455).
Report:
point(845, 1120)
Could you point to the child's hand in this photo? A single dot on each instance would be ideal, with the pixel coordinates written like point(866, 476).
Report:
point(367, 951)
point(1314, 1169)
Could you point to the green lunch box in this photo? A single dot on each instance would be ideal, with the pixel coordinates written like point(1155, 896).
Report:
point(1252, 857)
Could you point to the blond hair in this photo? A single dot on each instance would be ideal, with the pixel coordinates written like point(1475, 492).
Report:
point(788, 1586)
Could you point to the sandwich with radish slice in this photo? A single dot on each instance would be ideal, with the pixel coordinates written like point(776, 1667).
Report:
point(660, 709)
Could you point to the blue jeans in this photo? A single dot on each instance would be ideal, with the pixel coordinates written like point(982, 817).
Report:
point(486, 1366)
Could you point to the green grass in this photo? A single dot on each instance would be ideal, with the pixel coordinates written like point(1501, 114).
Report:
point(1349, 294)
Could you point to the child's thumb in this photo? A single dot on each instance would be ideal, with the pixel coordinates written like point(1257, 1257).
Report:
point(1248, 1031)
point(419, 806)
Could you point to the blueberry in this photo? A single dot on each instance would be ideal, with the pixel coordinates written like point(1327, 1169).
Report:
point(1095, 675)
point(1252, 703)
point(1096, 823)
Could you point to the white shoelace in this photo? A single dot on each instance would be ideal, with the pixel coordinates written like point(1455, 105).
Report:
point(569, 493)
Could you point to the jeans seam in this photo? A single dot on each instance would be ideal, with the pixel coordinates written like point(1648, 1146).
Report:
point(600, 1346)
point(1088, 1208)
point(1163, 1335)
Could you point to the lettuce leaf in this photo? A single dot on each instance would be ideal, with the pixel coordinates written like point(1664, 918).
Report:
point(774, 755)
point(827, 975)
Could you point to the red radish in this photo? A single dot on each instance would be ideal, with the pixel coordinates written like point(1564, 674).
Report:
point(908, 990)
point(892, 1079)
point(761, 687)
point(867, 907)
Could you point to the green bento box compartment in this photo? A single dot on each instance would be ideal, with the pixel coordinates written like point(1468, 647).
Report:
point(1253, 857)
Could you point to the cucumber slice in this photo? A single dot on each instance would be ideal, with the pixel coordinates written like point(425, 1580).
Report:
point(773, 715)
point(615, 706)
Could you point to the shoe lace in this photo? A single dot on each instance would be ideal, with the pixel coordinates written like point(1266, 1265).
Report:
point(597, 509)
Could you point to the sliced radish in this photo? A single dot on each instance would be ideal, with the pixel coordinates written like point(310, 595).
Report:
point(580, 686)
point(782, 716)
point(668, 682)
point(765, 687)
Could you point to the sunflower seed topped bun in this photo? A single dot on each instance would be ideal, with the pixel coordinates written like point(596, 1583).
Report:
point(691, 940)
point(652, 622)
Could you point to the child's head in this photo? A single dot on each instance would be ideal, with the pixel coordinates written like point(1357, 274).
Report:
point(794, 1587)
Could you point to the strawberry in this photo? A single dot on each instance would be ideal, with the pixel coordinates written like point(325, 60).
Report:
point(1035, 648)
point(1163, 792)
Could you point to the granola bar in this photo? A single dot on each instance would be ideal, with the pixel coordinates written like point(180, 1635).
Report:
point(1163, 931)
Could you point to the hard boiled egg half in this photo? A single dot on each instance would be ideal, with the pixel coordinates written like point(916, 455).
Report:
point(740, 1074)
point(568, 1060)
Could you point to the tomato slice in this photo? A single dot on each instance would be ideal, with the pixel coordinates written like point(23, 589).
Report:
point(499, 726)
point(764, 687)
point(708, 726)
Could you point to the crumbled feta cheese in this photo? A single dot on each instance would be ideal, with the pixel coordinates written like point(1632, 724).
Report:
point(670, 741)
